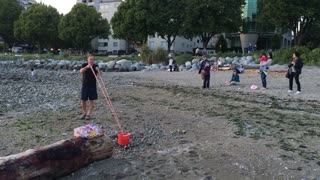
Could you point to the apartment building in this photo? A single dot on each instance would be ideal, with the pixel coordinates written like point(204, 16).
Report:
point(181, 44)
point(26, 3)
point(107, 8)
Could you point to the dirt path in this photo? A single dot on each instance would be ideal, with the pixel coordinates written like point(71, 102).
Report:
point(180, 131)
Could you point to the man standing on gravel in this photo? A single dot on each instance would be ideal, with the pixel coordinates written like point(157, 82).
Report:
point(89, 86)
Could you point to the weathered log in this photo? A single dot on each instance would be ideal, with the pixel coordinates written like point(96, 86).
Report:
point(271, 72)
point(55, 160)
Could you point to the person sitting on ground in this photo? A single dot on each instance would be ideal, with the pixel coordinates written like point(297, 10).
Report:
point(235, 79)
point(215, 66)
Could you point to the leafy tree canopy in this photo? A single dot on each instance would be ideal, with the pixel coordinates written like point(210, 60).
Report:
point(81, 25)
point(168, 17)
point(38, 25)
point(207, 18)
point(132, 21)
point(296, 15)
point(9, 13)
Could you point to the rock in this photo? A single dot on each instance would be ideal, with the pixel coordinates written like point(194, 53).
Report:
point(111, 65)
point(163, 68)
point(229, 60)
point(249, 58)
point(102, 66)
point(195, 61)
point(137, 66)
point(188, 65)
point(182, 67)
point(213, 58)
point(194, 67)
point(123, 65)
point(155, 66)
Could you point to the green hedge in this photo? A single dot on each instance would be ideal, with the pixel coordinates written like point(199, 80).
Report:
point(312, 58)
point(284, 56)
point(183, 58)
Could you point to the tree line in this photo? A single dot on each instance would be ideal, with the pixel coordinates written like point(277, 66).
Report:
point(43, 27)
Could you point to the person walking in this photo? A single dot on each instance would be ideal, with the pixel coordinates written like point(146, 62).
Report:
point(295, 69)
point(264, 69)
point(170, 64)
point(89, 86)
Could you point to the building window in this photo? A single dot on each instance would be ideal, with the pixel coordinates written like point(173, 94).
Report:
point(103, 44)
point(115, 44)
point(151, 44)
point(164, 44)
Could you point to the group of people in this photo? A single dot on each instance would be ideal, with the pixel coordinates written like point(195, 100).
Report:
point(90, 71)
point(294, 71)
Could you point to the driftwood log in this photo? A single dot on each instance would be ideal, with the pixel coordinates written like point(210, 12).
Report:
point(55, 160)
point(271, 72)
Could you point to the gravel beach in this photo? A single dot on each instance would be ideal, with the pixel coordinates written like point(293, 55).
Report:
point(178, 130)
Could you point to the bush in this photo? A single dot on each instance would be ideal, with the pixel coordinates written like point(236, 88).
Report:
point(284, 56)
point(146, 54)
point(159, 56)
point(183, 58)
point(312, 58)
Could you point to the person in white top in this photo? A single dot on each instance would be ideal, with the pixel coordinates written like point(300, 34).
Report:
point(171, 64)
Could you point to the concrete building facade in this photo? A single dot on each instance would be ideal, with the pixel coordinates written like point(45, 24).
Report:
point(180, 45)
point(26, 3)
point(107, 8)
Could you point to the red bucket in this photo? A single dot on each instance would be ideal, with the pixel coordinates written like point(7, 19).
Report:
point(123, 139)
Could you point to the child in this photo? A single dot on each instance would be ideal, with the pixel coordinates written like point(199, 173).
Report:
point(206, 80)
point(263, 60)
point(235, 79)
point(32, 74)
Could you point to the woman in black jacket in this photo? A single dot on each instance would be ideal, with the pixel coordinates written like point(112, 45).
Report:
point(295, 68)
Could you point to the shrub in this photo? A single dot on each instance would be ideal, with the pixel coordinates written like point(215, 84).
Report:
point(284, 56)
point(183, 58)
point(312, 58)
point(160, 55)
point(146, 54)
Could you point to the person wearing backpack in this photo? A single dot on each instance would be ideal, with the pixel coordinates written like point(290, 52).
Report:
point(295, 69)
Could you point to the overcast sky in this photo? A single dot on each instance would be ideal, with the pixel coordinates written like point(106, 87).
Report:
point(63, 6)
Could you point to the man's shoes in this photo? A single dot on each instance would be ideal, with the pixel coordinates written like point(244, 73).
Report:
point(88, 117)
point(289, 91)
point(83, 116)
point(298, 92)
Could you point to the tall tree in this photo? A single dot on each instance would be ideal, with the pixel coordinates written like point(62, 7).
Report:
point(132, 22)
point(168, 18)
point(208, 18)
point(82, 25)
point(38, 25)
point(9, 13)
point(295, 15)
